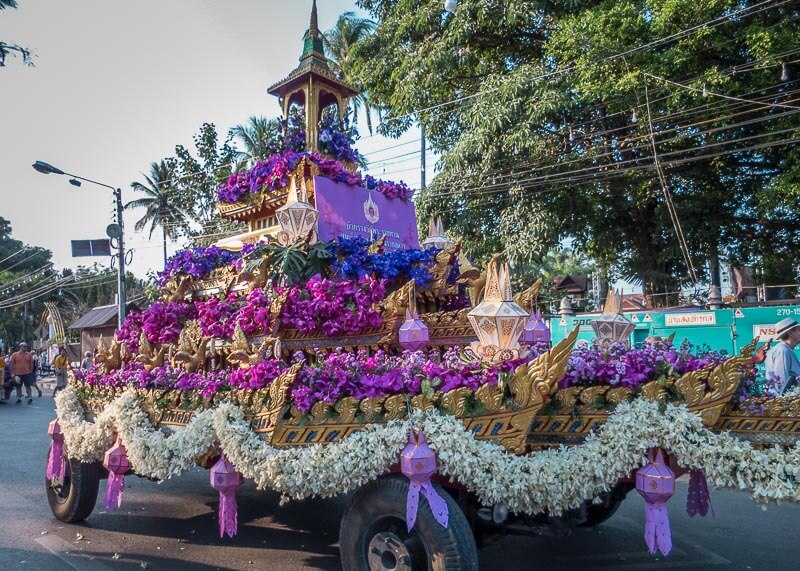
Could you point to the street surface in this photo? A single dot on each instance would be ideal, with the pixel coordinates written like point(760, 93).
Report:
point(173, 525)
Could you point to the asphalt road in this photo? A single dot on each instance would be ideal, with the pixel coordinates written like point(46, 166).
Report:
point(172, 525)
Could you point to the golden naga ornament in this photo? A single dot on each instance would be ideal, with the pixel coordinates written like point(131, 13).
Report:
point(498, 320)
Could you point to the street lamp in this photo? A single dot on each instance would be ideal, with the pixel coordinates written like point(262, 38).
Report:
point(46, 168)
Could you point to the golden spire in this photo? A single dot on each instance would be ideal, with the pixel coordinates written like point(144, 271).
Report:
point(313, 28)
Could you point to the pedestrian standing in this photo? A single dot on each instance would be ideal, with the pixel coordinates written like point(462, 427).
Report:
point(36, 372)
point(6, 374)
point(23, 371)
point(782, 362)
point(60, 364)
point(87, 362)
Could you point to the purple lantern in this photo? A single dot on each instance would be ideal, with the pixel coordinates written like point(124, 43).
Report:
point(117, 463)
point(55, 461)
point(418, 463)
point(698, 500)
point(656, 484)
point(226, 480)
point(535, 330)
point(413, 333)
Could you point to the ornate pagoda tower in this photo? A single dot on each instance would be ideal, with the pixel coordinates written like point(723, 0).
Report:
point(314, 87)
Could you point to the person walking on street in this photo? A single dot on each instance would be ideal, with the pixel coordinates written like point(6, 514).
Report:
point(35, 357)
point(782, 362)
point(6, 373)
point(60, 364)
point(22, 369)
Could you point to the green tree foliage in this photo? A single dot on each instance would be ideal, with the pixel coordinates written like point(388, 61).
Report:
point(546, 119)
point(199, 174)
point(7, 49)
point(161, 208)
point(257, 139)
point(350, 29)
point(23, 269)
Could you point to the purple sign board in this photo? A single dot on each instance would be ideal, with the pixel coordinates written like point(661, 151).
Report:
point(348, 211)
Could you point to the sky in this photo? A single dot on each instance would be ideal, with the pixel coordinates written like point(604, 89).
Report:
point(117, 84)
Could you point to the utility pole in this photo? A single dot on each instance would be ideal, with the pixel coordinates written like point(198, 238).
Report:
point(121, 297)
point(422, 157)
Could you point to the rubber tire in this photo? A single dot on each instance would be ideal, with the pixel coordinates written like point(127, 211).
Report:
point(452, 548)
point(599, 513)
point(83, 480)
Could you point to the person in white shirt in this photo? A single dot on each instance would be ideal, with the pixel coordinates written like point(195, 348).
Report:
point(782, 361)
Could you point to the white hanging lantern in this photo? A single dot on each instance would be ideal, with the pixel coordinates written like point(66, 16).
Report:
point(298, 219)
point(612, 326)
point(498, 320)
point(436, 237)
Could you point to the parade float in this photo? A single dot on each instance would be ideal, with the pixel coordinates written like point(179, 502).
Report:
point(325, 351)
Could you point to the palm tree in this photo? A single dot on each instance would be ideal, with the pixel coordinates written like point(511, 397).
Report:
point(349, 30)
point(160, 204)
point(8, 49)
point(258, 138)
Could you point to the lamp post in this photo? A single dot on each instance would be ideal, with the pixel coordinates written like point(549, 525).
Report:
point(45, 168)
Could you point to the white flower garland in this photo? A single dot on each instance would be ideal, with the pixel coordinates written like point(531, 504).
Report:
point(554, 480)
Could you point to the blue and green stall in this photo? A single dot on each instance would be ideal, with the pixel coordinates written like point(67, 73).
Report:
point(729, 328)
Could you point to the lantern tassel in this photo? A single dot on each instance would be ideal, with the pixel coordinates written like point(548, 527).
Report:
point(228, 513)
point(114, 489)
point(55, 462)
point(657, 534)
point(698, 500)
point(438, 506)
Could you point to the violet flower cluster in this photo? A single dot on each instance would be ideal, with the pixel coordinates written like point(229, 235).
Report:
point(219, 317)
point(353, 260)
point(337, 139)
point(207, 383)
point(162, 322)
point(343, 374)
point(620, 366)
point(334, 307)
point(273, 173)
point(196, 262)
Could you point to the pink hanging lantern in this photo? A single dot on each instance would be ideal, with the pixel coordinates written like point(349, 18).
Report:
point(117, 463)
point(656, 484)
point(56, 466)
point(535, 330)
point(698, 500)
point(226, 480)
point(413, 333)
point(418, 463)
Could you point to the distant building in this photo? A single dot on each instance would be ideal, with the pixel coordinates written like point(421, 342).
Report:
point(97, 322)
point(576, 286)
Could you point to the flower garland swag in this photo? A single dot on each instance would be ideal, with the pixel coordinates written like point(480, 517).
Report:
point(553, 480)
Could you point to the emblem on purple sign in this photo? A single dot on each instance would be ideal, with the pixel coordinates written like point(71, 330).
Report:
point(698, 500)
point(418, 463)
point(656, 484)
point(371, 212)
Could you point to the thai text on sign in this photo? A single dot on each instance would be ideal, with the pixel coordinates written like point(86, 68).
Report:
point(682, 319)
point(352, 211)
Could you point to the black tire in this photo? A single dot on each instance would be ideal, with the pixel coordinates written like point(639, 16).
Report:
point(73, 498)
point(373, 534)
point(611, 500)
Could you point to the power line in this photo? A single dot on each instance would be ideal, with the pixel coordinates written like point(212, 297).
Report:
point(743, 12)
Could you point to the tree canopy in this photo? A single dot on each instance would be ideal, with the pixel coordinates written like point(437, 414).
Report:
point(597, 121)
